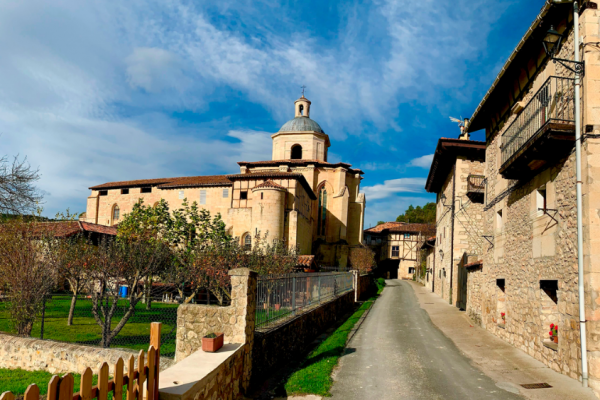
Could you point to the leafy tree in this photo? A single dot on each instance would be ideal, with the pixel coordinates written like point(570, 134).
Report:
point(380, 222)
point(362, 259)
point(418, 215)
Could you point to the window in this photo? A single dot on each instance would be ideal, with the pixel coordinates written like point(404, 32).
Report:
point(124, 191)
point(147, 190)
point(116, 213)
point(248, 242)
point(540, 200)
point(225, 193)
point(181, 194)
point(243, 195)
point(499, 222)
point(322, 213)
point(296, 152)
point(395, 251)
point(407, 236)
point(262, 196)
point(103, 193)
point(411, 270)
point(203, 197)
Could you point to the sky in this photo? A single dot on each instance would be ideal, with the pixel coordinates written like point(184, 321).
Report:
point(100, 91)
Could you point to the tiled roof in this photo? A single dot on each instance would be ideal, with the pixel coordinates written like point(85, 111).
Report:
point(268, 184)
point(167, 183)
point(63, 229)
point(428, 243)
point(277, 175)
point(300, 162)
point(197, 181)
point(402, 227)
point(474, 264)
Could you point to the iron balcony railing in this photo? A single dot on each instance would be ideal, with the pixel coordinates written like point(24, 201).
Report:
point(281, 297)
point(475, 184)
point(552, 104)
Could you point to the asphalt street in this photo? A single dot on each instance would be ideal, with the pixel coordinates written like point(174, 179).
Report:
point(398, 353)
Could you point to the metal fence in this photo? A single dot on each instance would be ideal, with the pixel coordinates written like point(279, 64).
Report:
point(281, 297)
point(53, 322)
point(553, 103)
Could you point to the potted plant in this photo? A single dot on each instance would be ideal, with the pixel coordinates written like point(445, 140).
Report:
point(503, 315)
point(212, 342)
point(277, 307)
point(554, 333)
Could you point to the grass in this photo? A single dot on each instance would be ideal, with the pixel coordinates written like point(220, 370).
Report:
point(380, 282)
point(134, 335)
point(17, 380)
point(313, 376)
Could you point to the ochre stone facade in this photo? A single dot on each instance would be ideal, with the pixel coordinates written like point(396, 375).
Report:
point(297, 197)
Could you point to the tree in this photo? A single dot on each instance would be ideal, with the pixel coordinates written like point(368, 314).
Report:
point(418, 215)
point(122, 263)
point(362, 259)
point(24, 272)
point(380, 222)
point(18, 196)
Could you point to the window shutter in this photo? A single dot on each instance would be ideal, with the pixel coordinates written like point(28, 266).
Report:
point(225, 193)
point(203, 197)
point(181, 195)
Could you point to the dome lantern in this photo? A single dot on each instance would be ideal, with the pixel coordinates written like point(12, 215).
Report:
point(302, 106)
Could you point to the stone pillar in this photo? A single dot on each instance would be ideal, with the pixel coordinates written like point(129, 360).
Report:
point(356, 276)
point(243, 303)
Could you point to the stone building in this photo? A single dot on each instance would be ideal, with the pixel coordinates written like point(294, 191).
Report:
point(456, 177)
point(297, 196)
point(426, 256)
point(396, 246)
point(528, 269)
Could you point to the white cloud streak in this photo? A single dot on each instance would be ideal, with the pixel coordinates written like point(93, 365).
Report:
point(423, 161)
point(394, 186)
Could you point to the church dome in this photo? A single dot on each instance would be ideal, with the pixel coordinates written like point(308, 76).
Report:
point(301, 124)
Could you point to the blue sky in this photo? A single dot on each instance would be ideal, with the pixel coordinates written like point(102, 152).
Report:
point(100, 91)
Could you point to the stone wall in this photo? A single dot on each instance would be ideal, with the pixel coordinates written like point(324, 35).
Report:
point(363, 285)
point(278, 346)
point(59, 357)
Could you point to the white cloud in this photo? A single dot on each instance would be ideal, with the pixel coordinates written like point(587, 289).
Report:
point(155, 70)
point(423, 161)
point(394, 186)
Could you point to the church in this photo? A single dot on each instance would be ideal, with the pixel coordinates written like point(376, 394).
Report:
point(297, 196)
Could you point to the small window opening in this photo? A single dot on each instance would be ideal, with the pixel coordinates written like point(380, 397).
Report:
point(116, 213)
point(411, 270)
point(540, 197)
point(147, 190)
point(181, 194)
point(296, 152)
point(243, 195)
point(248, 242)
point(261, 196)
point(395, 251)
point(501, 283)
point(225, 193)
point(407, 236)
point(301, 109)
point(103, 193)
point(550, 287)
point(499, 221)
point(203, 197)
point(124, 191)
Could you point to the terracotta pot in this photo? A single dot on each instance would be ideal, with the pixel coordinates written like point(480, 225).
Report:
point(555, 338)
point(211, 345)
point(277, 307)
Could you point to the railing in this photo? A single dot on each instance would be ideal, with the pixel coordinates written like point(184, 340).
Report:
point(281, 297)
point(475, 184)
point(553, 103)
point(129, 385)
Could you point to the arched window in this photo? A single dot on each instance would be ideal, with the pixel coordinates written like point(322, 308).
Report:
point(322, 213)
point(116, 214)
point(301, 109)
point(248, 241)
point(296, 152)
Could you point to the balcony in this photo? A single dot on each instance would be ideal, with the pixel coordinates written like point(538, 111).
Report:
point(544, 132)
point(476, 188)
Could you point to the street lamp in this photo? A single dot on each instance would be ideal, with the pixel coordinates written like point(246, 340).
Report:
point(551, 45)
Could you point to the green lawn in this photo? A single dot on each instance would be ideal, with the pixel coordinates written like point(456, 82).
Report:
point(17, 380)
point(313, 376)
point(380, 282)
point(134, 335)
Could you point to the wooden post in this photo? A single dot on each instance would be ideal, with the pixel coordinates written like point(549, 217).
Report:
point(103, 382)
point(7, 396)
point(85, 386)
point(141, 375)
point(66, 386)
point(53, 388)
point(130, 380)
point(32, 392)
point(118, 379)
point(155, 328)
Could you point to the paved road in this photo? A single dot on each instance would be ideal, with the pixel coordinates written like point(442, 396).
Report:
point(399, 354)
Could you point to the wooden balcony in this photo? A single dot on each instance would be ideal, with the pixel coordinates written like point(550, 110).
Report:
point(543, 133)
point(476, 188)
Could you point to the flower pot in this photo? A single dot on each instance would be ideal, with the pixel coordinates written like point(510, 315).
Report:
point(211, 345)
point(277, 307)
point(555, 338)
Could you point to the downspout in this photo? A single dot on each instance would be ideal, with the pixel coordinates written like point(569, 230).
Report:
point(452, 232)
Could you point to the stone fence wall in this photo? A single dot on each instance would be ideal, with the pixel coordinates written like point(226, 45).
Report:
point(280, 345)
point(363, 284)
point(58, 357)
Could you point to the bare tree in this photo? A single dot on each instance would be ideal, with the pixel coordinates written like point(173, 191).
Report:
point(18, 196)
point(24, 272)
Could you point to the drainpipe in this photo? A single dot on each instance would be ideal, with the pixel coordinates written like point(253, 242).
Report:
point(452, 233)
point(580, 276)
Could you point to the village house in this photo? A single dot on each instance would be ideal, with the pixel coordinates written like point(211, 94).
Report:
point(456, 177)
point(396, 246)
point(297, 197)
point(426, 258)
point(526, 274)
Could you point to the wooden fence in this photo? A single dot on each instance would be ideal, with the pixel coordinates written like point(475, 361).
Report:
point(129, 386)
